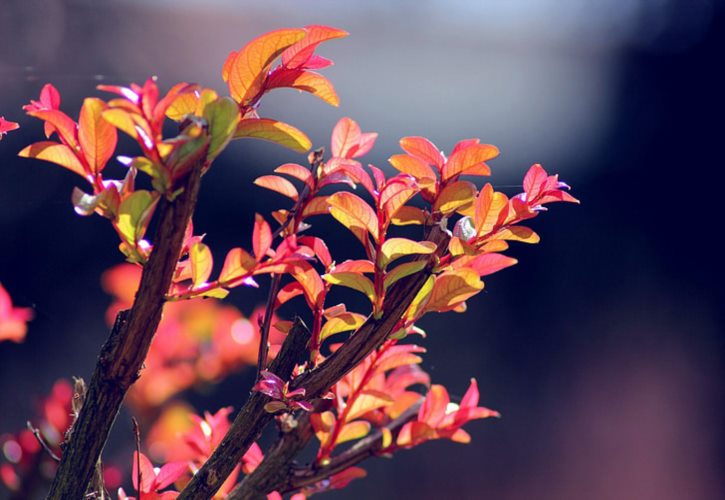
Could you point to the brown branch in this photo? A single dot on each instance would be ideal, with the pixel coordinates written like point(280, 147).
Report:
point(249, 422)
point(276, 468)
point(122, 355)
point(370, 446)
point(252, 417)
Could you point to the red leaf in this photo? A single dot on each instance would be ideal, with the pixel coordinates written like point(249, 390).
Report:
point(261, 237)
point(299, 54)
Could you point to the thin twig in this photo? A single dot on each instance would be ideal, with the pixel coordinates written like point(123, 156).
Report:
point(137, 437)
point(267, 324)
point(41, 440)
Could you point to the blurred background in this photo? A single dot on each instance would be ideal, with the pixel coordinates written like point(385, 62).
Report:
point(602, 348)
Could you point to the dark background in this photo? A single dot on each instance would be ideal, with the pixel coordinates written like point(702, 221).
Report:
point(602, 348)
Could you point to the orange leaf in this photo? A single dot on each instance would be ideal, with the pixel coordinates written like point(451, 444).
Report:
point(453, 287)
point(237, 264)
point(485, 264)
point(278, 184)
point(316, 206)
point(97, 137)
point(368, 400)
point(249, 69)
point(122, 120)
point(489, 205)
point(413, 166)
point(275, 131)
point(423, 149)
point(261, 237)
point(394, 248)
point(311, 283)
point(454, 196)
point(470, 160)
point(352, 211)
point(60, 154)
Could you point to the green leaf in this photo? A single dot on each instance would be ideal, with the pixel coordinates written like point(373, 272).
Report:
point(223, 117)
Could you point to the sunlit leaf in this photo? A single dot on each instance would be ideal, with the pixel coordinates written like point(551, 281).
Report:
point(237, 263)
point(413, 166)
point(367, 401)
point(96, 136)
point(274, 131)
point(486, 264)
point(249, 68)
point(470, 161)
point(60, 154)
point(421, 299)
point(223, 117)
point(489, 205)
point(452, 288)
point(62, 124)
point(406, 216)
point(353, 280)
point(122, 120)
point(423, 149)
point(261, 237)
point(201, 263)
point(394, 248)
point(316, 206)
point(517, 233)
point(300, 53)
point(343, 322)
point(353, 211)
point(454, 196)
point(278, 184)
point(345, 138)
point(134, 214)
point(401, 271)
point(297, 171)
point(306, 81)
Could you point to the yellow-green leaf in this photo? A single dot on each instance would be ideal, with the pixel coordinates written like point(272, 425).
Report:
point(223, 118)
point(454, 196)
point(343, 322)
point(517, 233)
point(275, 131)
point(394, 248)
point(352, 211)
point(402, 271)
point(134, 214)
point(201, 263)
point(353, 280)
